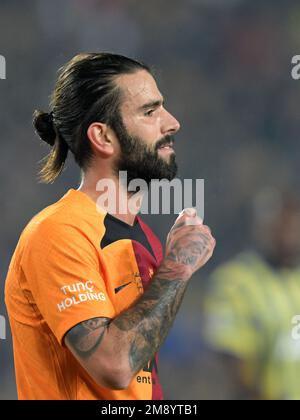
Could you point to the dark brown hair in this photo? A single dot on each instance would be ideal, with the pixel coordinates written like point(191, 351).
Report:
point(85, 92)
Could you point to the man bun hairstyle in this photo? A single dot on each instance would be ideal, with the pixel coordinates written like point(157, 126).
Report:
point(54, 162)
point(85, 92)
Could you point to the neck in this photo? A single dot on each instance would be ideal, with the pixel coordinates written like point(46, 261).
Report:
point(115, 191)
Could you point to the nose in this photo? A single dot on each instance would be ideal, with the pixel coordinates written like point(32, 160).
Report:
point(170, 125)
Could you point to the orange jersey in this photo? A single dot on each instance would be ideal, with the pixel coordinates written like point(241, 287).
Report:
point(73, 263)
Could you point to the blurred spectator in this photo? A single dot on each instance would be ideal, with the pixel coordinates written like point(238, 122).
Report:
point(252, 301)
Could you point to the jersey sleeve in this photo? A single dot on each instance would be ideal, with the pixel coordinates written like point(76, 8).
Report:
point(65, 277)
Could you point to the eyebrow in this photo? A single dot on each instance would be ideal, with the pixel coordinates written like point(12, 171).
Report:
point(152, 104)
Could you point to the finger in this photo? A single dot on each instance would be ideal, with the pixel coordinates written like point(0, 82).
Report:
point(190, 211)
point(189, 215)
point(193, 221)
point(195, 233)
point(207, 228)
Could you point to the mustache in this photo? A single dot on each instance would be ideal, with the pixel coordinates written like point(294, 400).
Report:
point(165, 140)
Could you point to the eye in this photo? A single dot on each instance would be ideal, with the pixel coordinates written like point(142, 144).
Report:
point(149, 113)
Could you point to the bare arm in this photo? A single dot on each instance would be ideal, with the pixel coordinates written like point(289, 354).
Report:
point(113, 351)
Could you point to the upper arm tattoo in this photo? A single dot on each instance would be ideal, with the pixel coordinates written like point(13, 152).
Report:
point(85, 338)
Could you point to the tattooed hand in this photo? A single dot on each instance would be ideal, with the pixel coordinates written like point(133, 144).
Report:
point(190, 244)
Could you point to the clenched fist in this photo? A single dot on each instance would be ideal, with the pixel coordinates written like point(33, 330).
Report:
point(190, 244)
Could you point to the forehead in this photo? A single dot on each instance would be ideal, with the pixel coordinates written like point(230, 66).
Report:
point(138, 88)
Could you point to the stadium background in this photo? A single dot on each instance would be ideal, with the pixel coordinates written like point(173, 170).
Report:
point(224, 67)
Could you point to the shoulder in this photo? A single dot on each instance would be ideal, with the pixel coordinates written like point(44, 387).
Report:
point(67, 220)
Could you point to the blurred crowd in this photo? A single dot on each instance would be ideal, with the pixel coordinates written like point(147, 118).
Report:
point(224, 68)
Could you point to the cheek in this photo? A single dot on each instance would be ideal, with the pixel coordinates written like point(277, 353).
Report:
point(147, 129)
point(117, 149)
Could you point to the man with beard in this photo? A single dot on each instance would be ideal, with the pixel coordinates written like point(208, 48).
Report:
point(90, 295)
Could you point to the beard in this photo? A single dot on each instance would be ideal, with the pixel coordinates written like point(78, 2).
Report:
point(140, 161)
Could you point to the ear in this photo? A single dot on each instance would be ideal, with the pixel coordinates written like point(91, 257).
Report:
point(100, 136)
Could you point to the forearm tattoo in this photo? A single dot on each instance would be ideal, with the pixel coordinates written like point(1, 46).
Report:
point(147, 323)
point(86, 337)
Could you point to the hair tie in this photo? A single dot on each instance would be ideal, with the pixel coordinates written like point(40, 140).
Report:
point(58, 136)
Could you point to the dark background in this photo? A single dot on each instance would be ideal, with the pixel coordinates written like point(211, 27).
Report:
point(224, 67)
